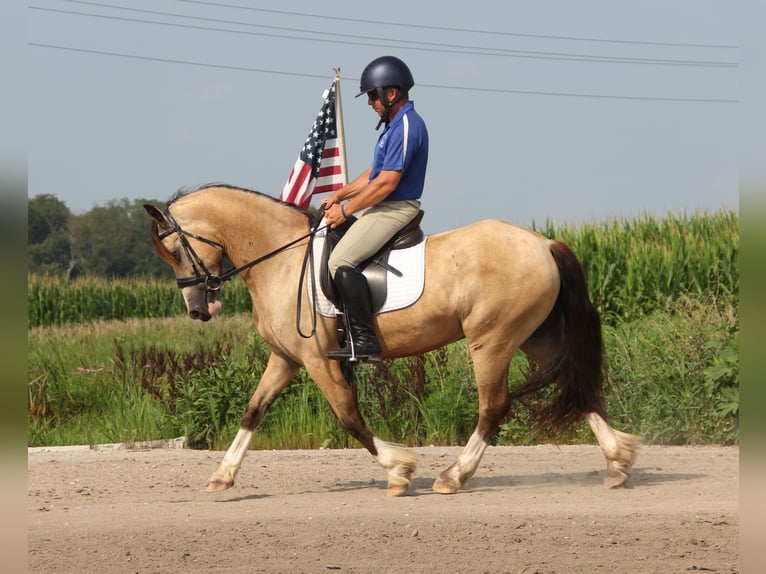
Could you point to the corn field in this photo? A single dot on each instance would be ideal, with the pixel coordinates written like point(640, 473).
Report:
point(53, 300)
point(637, 266)
point(633, 267)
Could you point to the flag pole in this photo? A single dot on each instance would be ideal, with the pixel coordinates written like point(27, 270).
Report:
point(339, 126)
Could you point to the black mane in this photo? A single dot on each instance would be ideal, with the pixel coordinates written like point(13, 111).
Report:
point(184, 191)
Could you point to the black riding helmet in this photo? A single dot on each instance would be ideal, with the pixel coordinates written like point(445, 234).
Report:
point(386, 72)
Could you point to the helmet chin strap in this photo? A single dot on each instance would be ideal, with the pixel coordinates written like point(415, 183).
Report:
point(386, 117)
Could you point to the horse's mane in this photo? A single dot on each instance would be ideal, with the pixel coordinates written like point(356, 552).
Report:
point(184, 191)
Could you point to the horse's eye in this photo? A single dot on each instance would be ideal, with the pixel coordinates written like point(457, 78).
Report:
point(176, 255)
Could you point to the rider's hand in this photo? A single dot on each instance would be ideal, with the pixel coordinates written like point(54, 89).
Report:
point(334, 215)
point(328, 202)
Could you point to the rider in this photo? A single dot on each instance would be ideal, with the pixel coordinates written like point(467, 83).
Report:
point(389, 192)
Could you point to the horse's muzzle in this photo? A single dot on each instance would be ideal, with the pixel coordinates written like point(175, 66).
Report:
point(200, 315)
point(200, 309)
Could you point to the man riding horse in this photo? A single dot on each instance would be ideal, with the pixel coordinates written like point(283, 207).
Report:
point(498, 286)
point(389, 192)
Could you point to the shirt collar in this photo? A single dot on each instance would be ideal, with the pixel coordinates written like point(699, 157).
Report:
point(400, 114)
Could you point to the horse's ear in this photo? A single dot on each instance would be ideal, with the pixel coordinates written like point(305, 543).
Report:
point(157, 215)
point(159, 223)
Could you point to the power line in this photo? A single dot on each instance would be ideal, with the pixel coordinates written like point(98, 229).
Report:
point(409, 44)
point(420, 85)
point(175, 61)
point(467, 30)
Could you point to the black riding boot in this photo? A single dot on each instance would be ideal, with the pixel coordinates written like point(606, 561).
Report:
point(355, 294)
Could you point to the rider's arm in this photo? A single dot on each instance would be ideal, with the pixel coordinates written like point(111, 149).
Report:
point(373, 192)
point(349, 190)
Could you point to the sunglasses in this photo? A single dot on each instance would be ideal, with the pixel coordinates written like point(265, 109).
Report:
point(373, 95)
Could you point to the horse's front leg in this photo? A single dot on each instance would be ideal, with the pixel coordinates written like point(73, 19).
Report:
point(398, 461)
point(279, 371)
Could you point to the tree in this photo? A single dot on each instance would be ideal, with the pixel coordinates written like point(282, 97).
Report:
point(114, 240)
point(48, 239)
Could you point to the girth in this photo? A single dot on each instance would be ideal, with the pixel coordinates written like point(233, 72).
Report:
point(376, 268)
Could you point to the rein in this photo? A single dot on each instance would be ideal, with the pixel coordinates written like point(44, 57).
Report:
point(308, 261)
point(214, 282)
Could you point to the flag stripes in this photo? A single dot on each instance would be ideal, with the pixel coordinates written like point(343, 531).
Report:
point(320, 167)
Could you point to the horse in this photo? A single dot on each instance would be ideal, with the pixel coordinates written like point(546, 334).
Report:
point(498, 286)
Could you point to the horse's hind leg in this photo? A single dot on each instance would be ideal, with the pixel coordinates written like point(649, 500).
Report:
point(491, 371)
point(398, 461)
point(275, 378)
point(453, 479)
point(620, 450)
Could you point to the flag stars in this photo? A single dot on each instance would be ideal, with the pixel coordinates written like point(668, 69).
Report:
point(300, 188)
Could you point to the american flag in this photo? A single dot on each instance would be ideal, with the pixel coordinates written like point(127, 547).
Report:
point(320, 167)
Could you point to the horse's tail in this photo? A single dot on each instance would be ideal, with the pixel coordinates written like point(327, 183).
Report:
point(577, 368)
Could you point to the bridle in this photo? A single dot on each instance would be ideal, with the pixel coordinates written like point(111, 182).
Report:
point(201, 273)
point(214, 282)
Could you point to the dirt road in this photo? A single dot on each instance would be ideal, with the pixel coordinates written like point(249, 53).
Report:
point(528, 510)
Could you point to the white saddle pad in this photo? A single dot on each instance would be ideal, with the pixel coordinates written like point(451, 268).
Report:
point(402, 291)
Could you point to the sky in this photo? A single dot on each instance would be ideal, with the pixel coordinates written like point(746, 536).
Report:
point(572, 112)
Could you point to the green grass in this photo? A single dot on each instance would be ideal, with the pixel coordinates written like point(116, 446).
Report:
point(675, 376)
point(674, 379)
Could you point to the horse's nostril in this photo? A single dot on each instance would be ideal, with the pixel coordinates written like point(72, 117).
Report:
point(194, 314)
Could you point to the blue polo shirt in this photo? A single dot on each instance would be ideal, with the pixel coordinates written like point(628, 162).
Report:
point(403, 146)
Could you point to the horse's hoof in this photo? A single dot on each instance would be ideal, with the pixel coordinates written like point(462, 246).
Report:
point(614, 476)
point(397, 491)
point(398, 486)
point(219, 486)
point(444, 485)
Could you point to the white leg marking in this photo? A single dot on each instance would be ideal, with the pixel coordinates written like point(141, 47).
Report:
point(400, 462)
point(223, 478)
point(620, 450)
point(453, 479)
point(238, 448)
point(469, 459)
point(605, 435)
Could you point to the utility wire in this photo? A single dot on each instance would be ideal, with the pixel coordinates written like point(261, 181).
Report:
point(451, 29)
point(420, 85)
point(374, 41)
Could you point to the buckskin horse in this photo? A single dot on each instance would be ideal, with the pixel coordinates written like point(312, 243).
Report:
point(498, 286)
